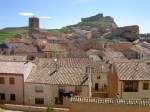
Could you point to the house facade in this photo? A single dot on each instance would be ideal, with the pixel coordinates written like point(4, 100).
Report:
point(129, 80)
point(99, 79)
point(46, 94)
point(55, 82)
point(12, 76)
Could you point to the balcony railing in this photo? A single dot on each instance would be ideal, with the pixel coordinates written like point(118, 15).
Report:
point(100, 90)
point(140, 102)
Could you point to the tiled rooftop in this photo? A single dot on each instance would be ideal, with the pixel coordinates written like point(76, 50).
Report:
point(21, 68)
point(64, 75)
point(67, 71)
point(132, 70)
point(55, 48)
point(141, 49)
point(13, 58)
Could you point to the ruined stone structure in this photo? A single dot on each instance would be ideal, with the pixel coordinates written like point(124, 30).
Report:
point(34, 22)
point(92, 18)
point(33, 25)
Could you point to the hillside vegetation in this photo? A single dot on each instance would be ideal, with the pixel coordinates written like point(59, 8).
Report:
point(10, 32)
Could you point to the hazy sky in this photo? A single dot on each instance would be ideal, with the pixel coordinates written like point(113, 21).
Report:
point(58, 13)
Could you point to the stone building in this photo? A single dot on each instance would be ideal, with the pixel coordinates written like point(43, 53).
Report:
point(33, 25)
point(54, 82)
point(12, 77)
point(129, 80)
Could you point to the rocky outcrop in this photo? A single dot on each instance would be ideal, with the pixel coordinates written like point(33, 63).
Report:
point(130, 33)
point(92, 18)
point(94, 26)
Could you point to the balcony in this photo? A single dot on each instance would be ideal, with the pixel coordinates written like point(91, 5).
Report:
point(100, 92)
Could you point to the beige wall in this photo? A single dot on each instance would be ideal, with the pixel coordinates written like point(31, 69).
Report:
point(135, 95)
point(49, 94)
point(102, 81)
point(16, 89)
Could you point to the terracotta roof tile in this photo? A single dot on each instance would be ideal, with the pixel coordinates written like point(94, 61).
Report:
point(13, 58)
point(21, 68)
point(132, 70)
point(69, 71)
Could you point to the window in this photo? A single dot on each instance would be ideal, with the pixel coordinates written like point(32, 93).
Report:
point(98, 77)
point(145, 86)
point(11, 80)
point(12, 97)
point(130, 86)
point(39, 101)
point(39, 89)
point(78, 90)
point(96, 86)
point(2, 81)
point(2, 96)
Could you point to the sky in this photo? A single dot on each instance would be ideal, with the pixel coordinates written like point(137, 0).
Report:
point(59, 13)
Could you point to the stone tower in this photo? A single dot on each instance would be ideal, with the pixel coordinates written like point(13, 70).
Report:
point(33, 25)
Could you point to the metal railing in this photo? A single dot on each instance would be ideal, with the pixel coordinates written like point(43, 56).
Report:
point(139, 102)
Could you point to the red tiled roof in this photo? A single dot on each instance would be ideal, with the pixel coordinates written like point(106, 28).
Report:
point(132, 70)
point(55, 48)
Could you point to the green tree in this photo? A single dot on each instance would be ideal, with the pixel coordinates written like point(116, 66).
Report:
point(50, 109)
point(1, 110)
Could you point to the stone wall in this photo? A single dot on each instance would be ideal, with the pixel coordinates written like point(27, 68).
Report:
point(92, 18)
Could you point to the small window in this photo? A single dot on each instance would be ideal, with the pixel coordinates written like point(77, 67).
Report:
point(78, 90)
point(11, 80)
point(39, 89)
point(96, 86)
point(98, 77)
point(2, 96)
point(131, 86)
point(39, 101)
point(12, 97)
point(145, 86)
point(2, 81)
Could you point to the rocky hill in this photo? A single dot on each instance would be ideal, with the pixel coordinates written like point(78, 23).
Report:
point(100, 27)
point(103, 28)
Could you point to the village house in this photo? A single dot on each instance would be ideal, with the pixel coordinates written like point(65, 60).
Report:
point(55, 81)
point(138, 52)
point(121, 46)
point(55, 51)
point(110, 55)
point(12, 77)
point(5, 58)
point(145, 45)
point(94, 54)
point(129, 80)
point(99, 79)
